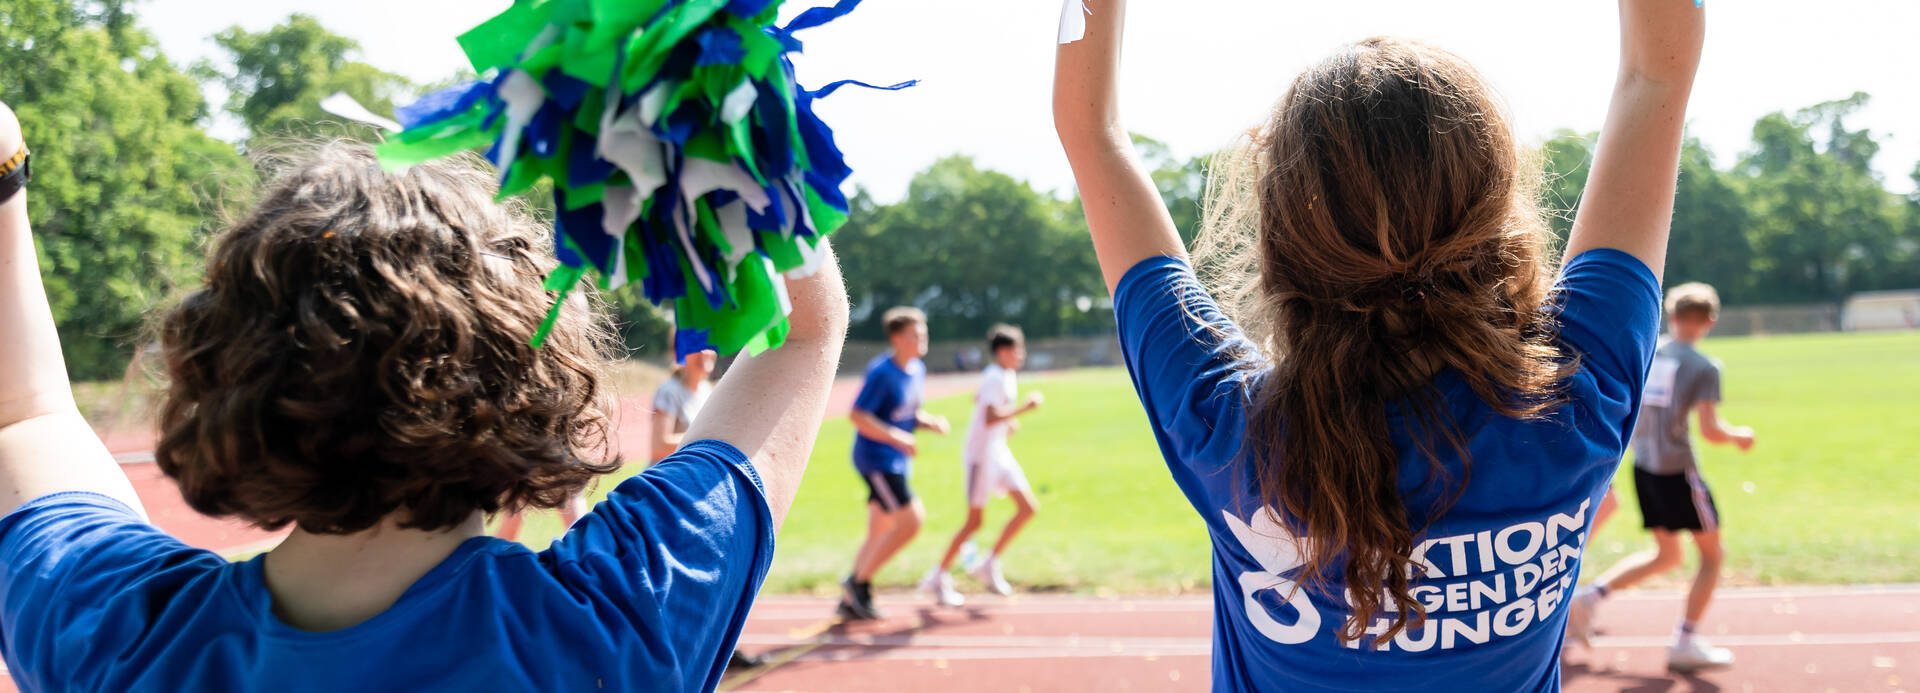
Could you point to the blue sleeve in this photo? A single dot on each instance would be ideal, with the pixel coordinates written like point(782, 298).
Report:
point(1608, 308)
point(1184, 356)
point(878, 394)
point(81, 573)
point(679, 551)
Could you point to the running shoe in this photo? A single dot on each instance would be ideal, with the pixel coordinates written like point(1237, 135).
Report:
point(1694, 654)
point(939, 585)
point(856, 604)
point(988, 573)
point(1580, 617)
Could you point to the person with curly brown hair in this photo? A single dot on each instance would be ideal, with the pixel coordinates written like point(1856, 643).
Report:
point(356, 366)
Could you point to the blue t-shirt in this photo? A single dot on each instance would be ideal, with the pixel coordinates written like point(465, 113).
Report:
point(647, 592)
point(1499, 564)
point(893, 394)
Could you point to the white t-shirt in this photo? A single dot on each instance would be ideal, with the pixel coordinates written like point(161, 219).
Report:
point(681, 404)
point(989, 442)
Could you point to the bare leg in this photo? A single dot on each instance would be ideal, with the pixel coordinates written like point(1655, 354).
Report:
point(1608, 504)
point(1704, 580)
point(906, 523)
point(1025, 505)
point(1646, 564)
point(960, 538)
point(879, 525)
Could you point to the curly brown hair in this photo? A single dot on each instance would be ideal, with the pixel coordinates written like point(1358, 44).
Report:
point(360, 348)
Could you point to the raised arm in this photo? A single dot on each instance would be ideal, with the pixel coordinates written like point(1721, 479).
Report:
point(1628, 204)
point(770, 406)
point(45, 446)
point(1128, 220)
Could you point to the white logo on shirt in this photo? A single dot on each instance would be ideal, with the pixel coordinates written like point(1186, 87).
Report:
point(1277, 551)
point(1660, 379)
point(1515, 577)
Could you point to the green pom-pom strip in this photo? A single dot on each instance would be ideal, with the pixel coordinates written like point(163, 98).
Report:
point(684, 156)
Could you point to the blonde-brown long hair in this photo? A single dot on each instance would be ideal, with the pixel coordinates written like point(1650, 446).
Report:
point(1383, 227)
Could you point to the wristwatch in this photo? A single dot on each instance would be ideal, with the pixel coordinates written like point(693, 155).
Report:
point(14, 173)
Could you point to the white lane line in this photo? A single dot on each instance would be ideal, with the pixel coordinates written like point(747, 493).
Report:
point(134, 457)
point(830, 648)
point(779, 607)
point(1136, 644)
point(813, 613)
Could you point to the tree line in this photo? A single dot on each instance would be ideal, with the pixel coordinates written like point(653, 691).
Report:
point(129, 184)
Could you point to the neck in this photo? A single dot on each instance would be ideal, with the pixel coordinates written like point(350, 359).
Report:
point(901, 359)
point(692, 383)
point(323, 582)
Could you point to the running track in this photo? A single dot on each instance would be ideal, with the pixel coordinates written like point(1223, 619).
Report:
point(1791, 639)
point(1799, 639)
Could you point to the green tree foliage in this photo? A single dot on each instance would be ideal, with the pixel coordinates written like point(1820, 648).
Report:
point(279, 76)
point(1182, 184)
point(1823, 225)
point(1710, 225)
point(121, 168)
point(972, 248)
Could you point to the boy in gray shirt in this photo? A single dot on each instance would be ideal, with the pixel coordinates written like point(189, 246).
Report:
point(1673, 496)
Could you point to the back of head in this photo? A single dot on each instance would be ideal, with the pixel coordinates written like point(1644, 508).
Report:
point(360, 348)
point(900, 318)
point(1693, 301)
point(1380, 229)
point(1003, 337)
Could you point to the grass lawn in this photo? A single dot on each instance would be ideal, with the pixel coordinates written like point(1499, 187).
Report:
point(1826, 496)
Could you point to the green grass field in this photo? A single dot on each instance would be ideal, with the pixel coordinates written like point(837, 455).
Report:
point(1826, 496)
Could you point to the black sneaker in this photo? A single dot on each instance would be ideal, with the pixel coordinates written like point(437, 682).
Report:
point(856, 603)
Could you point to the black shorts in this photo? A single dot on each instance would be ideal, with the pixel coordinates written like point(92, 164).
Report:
point(891, 491)
point(1675, 501)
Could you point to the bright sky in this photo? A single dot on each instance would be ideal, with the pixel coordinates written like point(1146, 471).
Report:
point(1200, 71)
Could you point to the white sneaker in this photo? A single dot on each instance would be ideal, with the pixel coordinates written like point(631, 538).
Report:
point(1580, 616)
point(1694, 654)
point(988, 573)
point(939, 585)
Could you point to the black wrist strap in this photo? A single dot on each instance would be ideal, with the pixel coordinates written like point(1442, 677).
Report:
point(14, 174)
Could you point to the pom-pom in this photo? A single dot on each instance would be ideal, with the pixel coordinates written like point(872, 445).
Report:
point(684, 156)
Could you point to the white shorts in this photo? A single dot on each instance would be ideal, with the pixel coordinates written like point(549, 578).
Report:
point(998, 476)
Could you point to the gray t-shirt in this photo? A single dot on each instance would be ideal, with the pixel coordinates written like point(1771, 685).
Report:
point(1680, 378)
point(680, 404)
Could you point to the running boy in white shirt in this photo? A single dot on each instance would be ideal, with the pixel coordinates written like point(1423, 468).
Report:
point(990, 467)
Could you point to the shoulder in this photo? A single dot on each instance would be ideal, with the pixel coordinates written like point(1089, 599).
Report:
point(83, 567)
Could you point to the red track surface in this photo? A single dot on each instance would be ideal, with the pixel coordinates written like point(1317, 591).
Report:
point(1808, 639)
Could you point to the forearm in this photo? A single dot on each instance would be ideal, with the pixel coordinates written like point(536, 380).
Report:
point(872, 427)
point(33, 374)
point(770, 406)
point(923, 420)
point(997, 414)
point(1628, 202)
point(1717, 430)
point(1086, 84)
point(1660, 40)
point(1125, 215)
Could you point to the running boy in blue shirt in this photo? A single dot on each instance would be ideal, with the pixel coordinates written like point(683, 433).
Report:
point(885, 416)
point(1674, 497)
